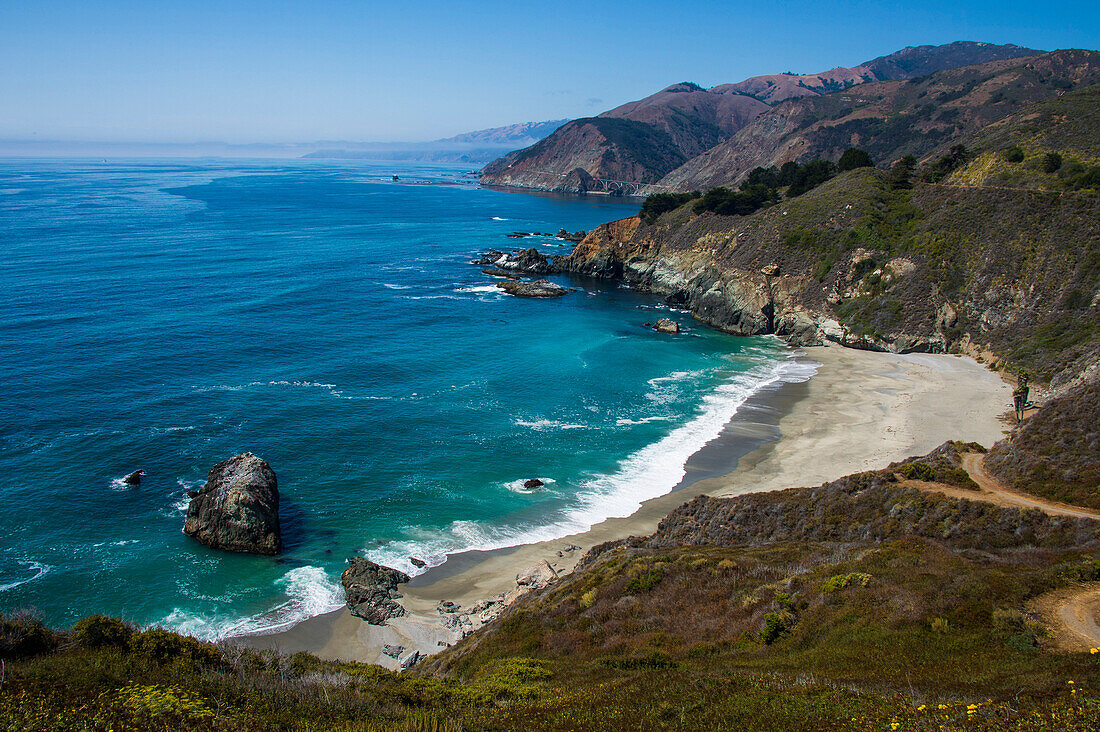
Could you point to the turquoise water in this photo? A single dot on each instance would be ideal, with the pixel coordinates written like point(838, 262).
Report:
point(165, 315)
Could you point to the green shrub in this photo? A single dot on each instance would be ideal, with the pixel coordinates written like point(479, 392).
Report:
point(1013, 154)
point(918, 471)
point(853, 158)
point(164, 646)
point(99, 631)
point(776, 625)
point(23, 634)
point(660, 203)
point(1051, 162)
point(645, 581)
point(840, 581)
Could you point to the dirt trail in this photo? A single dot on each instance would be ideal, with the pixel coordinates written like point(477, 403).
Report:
point(1071, 613)
point(974, 464)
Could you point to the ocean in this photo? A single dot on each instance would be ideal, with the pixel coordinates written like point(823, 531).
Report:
point(165, 315)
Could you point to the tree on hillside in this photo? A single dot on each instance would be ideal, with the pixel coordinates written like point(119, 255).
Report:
point(854, 158)
point(901, 174)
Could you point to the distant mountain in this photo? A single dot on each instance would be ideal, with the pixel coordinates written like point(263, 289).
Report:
point(695, 120)
point(478, 146)
point(517, 135)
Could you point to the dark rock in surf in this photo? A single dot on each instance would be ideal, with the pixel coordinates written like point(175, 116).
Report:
point(370, 590)
point(666, 325)
point(538, 288)
point(532, 483)
point(238, 508)
point(500, 273)
point(134, 478)
point(418, 563)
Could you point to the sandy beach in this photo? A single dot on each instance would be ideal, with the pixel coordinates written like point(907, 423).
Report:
point(862, 410)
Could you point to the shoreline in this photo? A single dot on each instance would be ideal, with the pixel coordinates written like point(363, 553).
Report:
point(861, 410)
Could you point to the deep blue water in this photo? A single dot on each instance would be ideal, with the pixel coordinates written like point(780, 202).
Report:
point(166, 315)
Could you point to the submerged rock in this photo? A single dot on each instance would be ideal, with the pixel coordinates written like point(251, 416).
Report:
point(238, 508)
point(418, 563)
point(666, 325)
point(538, 288)
point(370, 590)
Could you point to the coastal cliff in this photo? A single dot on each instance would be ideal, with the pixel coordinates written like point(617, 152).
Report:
point(933, 269)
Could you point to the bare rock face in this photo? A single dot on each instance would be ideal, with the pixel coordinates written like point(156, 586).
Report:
point(238, 508)
point(537, 576)
point(370, 590)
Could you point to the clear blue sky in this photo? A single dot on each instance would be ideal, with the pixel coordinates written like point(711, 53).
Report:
point(274, 71)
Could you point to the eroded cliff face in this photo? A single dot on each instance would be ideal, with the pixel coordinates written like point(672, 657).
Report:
point(936, 269)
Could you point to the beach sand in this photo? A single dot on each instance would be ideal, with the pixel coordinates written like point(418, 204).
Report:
point(861, 411)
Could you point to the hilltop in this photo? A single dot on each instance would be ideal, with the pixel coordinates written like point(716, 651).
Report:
point(668, 129)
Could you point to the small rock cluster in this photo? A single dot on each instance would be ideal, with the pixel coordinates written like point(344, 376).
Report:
point(462, 623)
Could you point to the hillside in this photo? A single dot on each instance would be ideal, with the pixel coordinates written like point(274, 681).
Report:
point(697, 119)
point(595, 147)
point(860, 604)
point(934, 268)
point(889, 119)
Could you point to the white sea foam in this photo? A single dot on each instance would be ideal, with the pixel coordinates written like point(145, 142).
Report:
point(516, 486)
point(330, 388)
point(648, 473)
point(546, 425)
point(666, 389)
point(309, 590)
point(497, 218)
point(168, 430)
point(480, 288)
point(624, 422)
point(38, 568)
point(396, 287)
point(120, 484)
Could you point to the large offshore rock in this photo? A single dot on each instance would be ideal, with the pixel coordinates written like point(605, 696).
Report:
point(238, 508)
point(370, 590)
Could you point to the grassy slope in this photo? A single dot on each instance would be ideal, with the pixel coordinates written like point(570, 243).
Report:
point(847, 606)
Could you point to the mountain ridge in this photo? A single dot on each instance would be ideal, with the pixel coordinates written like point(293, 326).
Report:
point(698, 119)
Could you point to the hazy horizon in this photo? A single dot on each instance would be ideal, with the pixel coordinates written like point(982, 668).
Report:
point(277, 74)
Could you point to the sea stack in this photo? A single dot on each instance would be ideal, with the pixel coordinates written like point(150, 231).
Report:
point(238, 508)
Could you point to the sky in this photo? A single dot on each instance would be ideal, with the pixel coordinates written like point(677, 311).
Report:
point(244, 71)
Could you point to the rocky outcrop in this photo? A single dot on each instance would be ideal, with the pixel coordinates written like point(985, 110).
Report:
point(538, 288)
point(666, 325)
point(537, 576)
point(134, 478)
point(532, 483)
point(371, 590)
point(238, 508)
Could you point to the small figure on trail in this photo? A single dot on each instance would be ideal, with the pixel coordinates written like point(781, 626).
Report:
point(1019, 396)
